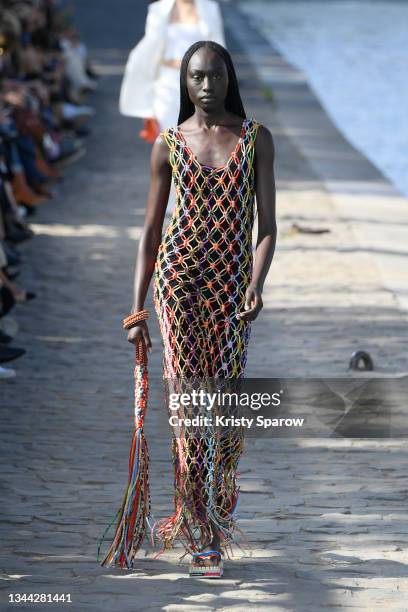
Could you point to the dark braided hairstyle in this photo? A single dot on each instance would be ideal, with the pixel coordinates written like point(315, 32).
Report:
point(233, 102)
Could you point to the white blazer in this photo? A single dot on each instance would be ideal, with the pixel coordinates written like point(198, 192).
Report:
point(136, 94)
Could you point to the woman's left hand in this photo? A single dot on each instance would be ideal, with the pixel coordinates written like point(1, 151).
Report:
point(253, 304)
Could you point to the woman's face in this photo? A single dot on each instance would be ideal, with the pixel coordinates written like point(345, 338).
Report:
point(207, 80)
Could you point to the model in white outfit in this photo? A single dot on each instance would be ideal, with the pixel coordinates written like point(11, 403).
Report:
point(151, 83)
point(166, 97)
point(150, 86)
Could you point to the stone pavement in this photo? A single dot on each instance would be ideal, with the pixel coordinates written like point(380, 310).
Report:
point(327, 519)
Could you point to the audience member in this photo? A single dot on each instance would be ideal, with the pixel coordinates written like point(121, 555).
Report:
point(45, 76)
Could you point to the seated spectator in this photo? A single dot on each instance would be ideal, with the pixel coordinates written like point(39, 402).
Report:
point(45, 76)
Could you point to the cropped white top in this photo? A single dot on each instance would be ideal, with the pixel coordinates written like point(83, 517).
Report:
point(179, 37)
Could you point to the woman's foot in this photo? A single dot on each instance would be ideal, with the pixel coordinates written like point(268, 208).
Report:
point(213, 547)
point(208, 562)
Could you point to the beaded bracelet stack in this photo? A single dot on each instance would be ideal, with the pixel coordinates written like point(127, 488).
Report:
point(133, 319)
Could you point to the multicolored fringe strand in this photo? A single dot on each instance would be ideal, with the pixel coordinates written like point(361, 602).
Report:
point(134, 513)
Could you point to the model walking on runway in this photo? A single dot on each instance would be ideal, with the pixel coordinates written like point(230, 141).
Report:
point(207, 288)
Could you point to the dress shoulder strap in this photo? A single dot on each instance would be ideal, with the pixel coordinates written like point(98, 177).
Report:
point(168, 136)
point(248, 144)
point(252, 127)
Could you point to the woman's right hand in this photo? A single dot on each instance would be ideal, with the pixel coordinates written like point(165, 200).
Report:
point(140, 332)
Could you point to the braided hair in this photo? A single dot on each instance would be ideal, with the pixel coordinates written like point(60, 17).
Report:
point(233, 102)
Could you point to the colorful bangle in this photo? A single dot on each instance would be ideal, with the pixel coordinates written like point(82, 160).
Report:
point(133, 319)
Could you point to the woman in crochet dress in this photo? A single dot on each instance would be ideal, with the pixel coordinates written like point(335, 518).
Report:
point(207, 285)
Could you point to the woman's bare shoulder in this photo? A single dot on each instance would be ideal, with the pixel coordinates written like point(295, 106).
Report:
point(264, 140)
point(160, 149)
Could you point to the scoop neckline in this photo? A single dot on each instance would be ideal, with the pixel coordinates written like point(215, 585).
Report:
point(230, 158)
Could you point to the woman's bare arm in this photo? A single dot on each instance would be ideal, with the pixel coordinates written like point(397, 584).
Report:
point(160, 181)
point(266, 206)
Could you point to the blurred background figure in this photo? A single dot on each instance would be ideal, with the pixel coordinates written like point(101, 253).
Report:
point(44, 78)
point(150, 87)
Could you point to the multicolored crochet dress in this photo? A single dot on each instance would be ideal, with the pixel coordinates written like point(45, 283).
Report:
point(202, 271)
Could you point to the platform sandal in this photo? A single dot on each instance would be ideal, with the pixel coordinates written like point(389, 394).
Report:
point(197, 568)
